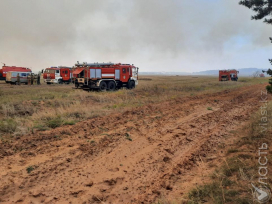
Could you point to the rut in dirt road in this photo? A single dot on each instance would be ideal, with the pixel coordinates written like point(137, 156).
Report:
point(133, 157)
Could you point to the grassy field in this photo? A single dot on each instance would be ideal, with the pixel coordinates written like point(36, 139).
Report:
point(25, 109)
point(173, 139)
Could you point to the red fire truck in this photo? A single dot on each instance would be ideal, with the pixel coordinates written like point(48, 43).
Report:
point(57, 75)
point(228, 75)
point(5, 69)
point(105, 76)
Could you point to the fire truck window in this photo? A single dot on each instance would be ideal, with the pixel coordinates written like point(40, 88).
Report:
point(124, 70)
point(63, 72)
point(57, 71)
point(66, 72)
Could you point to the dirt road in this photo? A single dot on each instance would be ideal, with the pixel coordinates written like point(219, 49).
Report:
point(133, 157)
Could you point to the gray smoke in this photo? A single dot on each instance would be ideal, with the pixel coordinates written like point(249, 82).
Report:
point(156, 35)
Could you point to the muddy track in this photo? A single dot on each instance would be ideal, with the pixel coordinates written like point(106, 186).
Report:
point(133, 157)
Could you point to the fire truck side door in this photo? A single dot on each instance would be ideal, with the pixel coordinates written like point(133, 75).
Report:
point(125, 74)
point(57, 73)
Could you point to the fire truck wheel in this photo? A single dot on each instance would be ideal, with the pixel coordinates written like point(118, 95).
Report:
point(131, 84)
point(103, 86)
point(76, 85)
point(111, 86)
point(60, 81)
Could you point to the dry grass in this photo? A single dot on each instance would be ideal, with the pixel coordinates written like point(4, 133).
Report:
point(231, 182)
point(25, 108)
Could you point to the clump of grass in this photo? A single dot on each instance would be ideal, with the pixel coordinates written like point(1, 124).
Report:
point(65, 132)
point(69, 122)
point(40, 127)
point(213, 190)
point(217, 192)
point(54, 122)
point(128, 137)
point(76, 114)
point(8, 125)
point(209, 108)
point(231, 166)
point(57, 137)
point(232, 151)
point(29, 169)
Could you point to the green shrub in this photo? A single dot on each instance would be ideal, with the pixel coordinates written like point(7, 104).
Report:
point(8, 126)
point(269, 88)
point(41, 127)
point(69, 122)
point(29, 169)
point(54, 122)
point(213, 190)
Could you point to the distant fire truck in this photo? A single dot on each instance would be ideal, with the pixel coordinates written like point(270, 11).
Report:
point(228, 75)
point(105, 76)
point(57, 75)
point(5, 69)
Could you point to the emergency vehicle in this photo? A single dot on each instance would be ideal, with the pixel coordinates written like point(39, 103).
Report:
point(58, 75)
point(105, 76)
point(5, 69)
point(228, 75)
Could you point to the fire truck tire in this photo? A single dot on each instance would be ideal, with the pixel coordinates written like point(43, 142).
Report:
point(111, 86)
point(103, 86)
point(60, 81)
point(131, 84)
point(76, 85)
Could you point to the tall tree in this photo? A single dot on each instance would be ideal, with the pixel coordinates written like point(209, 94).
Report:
point(263, 10)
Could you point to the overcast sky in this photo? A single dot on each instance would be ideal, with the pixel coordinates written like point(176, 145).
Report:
point(155, 35)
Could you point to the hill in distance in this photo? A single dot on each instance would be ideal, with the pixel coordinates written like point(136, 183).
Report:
point(242, 72)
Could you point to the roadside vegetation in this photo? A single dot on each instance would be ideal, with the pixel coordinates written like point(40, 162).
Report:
point(231, 181)
point(25, 109)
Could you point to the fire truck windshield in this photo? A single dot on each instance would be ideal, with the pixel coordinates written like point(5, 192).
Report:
point(134, 72)
point(49, 71)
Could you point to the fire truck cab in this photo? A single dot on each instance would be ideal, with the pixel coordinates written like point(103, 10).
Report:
point(105, 76)
point(57, 75)
point(228, 75)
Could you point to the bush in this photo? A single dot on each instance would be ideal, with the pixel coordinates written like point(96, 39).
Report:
point(41, 127)
point(8, 126)
point(269, 88)
point(29, 169)
point(69, 122)
point(54, 122)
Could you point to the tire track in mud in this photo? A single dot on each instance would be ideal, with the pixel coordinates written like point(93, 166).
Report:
point(95, 160)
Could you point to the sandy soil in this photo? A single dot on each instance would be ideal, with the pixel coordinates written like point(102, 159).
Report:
point(135, 157)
